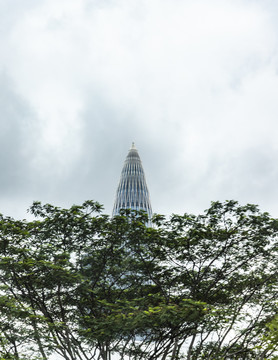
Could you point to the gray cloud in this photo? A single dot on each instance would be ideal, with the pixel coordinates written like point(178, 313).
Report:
point(18, 134)
point(194, 84)
point(15, 140)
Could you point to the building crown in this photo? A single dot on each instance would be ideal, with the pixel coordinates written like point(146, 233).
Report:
point(132, 192)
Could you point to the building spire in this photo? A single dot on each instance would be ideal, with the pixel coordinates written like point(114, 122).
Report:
point(132, 192)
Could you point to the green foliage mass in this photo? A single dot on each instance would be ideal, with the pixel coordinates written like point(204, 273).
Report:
point(77, 283)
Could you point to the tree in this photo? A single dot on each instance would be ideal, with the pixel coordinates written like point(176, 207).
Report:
point(270, 337)
point(84, 286)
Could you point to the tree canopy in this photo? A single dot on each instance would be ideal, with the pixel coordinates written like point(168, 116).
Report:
point(82, 285)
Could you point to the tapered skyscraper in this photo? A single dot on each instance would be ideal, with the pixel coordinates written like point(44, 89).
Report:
point(132, 192)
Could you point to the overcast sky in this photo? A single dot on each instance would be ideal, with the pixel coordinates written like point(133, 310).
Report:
point(194, 83)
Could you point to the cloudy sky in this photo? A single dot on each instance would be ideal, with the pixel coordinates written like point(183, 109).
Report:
point(194, 83)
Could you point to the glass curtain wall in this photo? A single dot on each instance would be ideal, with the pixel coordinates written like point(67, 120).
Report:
point(132, 192)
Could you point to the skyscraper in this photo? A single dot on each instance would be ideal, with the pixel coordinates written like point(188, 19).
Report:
point(132, 192)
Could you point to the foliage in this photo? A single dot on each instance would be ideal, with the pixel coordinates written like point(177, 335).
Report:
point(76, 283)
point(270, 337)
